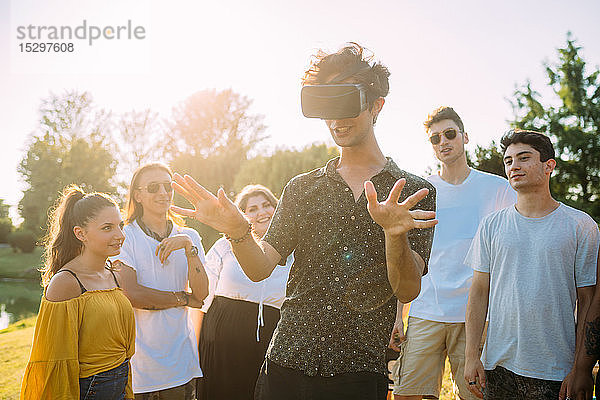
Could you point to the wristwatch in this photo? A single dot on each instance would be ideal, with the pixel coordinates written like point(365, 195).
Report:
point(185, 300)
point(193, 252)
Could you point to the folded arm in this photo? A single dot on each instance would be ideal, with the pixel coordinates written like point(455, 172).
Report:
point(147, 298)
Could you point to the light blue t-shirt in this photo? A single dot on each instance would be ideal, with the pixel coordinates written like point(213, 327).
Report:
point(535, 267)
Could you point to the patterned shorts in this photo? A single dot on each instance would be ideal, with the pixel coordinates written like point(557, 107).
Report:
point(504, 384)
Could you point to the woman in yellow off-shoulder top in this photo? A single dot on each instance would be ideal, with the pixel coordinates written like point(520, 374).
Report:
point(85, 330)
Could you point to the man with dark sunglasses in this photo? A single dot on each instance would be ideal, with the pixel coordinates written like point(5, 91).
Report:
point(436, 323)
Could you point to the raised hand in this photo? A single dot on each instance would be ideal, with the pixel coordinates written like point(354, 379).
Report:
point(398, 218)
point(217, 211)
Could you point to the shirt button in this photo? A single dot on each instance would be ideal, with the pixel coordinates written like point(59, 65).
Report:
point(346, 189)
point(353, 218)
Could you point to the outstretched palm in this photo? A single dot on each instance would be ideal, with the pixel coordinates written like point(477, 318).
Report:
point(217, 211)
point(398, 218)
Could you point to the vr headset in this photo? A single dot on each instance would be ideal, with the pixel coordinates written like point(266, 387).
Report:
point(337, 101)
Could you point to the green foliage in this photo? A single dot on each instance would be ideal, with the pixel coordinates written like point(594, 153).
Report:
point(20, 265)
point(276, 170)
point(488, 159)
point(212, 133)
point(71, 145)
point(211, 122)
point(4, 209)
point(23, 240)
point(572, 120)
point(6, 227)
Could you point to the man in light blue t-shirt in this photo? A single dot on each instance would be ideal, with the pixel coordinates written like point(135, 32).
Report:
point(533, 263)
point(436, 323)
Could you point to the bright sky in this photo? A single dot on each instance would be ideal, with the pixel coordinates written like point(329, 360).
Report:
point(466, 54)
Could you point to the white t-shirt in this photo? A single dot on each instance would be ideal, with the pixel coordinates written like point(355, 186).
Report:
point(226, 278)
point(535, 267)
point(166, 351)
point(459, 209)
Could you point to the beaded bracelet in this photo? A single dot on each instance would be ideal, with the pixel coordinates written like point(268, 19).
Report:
point(239, 240)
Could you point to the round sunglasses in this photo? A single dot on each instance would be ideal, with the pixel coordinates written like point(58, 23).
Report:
point(154, 187)
point(436, 138)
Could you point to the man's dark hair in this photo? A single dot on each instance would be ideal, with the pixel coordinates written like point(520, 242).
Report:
point(350, 60)
point(537, 140)
point(442, 113)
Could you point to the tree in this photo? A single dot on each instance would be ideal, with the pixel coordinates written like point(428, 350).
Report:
point(6, 225)
point(4, 209)
point(212, 135)
point(488, 159)
point(572, 120)
point(71, 145)
point(140, 135)
point(276, 170)
point(209, 121)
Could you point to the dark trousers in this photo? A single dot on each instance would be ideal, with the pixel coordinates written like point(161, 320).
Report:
point(107, 385)
point(503, 384)
point(183, 392)
point(230, 356)
point(276, 382)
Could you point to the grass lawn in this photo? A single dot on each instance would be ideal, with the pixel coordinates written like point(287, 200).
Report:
point(15, 341)
point(15, 345)
point(20, 265)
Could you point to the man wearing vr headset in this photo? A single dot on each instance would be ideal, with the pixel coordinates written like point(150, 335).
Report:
point(361, 231)
point(436, 323)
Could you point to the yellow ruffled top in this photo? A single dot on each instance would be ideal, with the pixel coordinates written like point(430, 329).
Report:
point(77, 338)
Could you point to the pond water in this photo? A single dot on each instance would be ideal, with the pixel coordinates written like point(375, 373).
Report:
point(18, 299)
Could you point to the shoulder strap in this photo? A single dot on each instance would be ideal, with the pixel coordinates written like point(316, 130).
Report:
point(114, 276)
point(83, 289)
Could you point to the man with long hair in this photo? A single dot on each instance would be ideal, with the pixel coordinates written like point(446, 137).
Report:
point(160, 260)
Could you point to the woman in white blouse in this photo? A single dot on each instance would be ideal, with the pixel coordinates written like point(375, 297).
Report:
point(241, 315)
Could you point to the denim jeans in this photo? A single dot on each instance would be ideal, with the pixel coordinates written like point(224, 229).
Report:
point(107, 385)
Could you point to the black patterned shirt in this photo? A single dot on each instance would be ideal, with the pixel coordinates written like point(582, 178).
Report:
point(339, 309)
